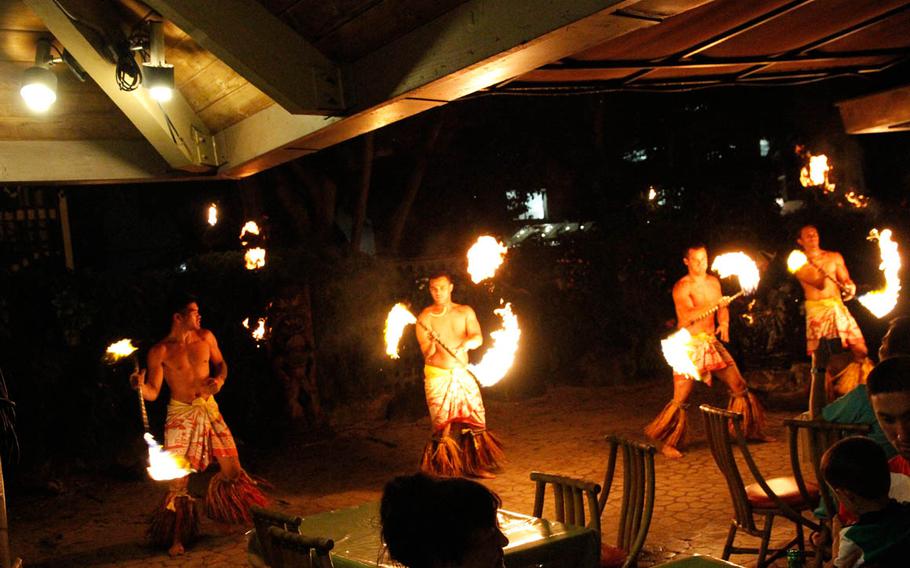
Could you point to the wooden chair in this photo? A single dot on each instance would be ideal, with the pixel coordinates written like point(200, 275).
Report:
point(637, 500)
point(780, 496)
point(293, 550)
point(570, 497)
point(263, 520)
point(820, 435)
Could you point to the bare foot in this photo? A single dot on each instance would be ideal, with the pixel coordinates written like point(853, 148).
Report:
point(175, 550)
point(671, 452)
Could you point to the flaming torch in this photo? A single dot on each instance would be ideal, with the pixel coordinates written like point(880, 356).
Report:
point(815, 173)
point(484, 257)
point(254, 258)
point(118, 351)
point(399, 317)
point(798, 259)
point(677, 350)
point(163, 465)
point(732, 264)
point(213, 215)
point(258, 333)
point(881, 302)
point(499, 357)
point(249, 228)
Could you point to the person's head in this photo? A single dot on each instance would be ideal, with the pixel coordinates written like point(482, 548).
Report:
point(696, 259)
point(889, 393)
point(856, 468)
point(184, 311)
point(808, 238)
point(441, 286)
point(430, 522)
point(896, 340)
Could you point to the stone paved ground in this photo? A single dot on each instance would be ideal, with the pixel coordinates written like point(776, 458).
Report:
point(101, 522)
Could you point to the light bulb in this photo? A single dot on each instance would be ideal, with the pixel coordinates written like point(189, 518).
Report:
point(39, 88)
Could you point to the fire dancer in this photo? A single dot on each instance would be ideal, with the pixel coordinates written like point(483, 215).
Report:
point(830, 329)
point(191, 363)
point(694, 294)
point(461, 443)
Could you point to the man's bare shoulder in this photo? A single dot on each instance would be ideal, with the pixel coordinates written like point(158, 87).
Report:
point(462, 309)
point(682, 285)
point(159, 349)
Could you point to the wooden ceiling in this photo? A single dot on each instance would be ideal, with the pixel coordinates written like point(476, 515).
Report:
point(263, 82)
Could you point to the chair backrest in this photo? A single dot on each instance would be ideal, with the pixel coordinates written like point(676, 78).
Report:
point(263, 520)
point(293, 550)
point(721, 442)
point(820, 435)
point(637, 496)
point(571, 496)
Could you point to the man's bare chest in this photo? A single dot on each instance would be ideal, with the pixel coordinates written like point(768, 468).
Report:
point(187, 356)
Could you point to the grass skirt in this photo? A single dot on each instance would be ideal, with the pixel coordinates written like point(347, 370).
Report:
point(753, 413)
point(176, 519)
point(481, 451)
point(442, 457)
point(228, 501)
point(670, 426)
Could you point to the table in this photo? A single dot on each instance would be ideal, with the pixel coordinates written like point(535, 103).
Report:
point(698, 561)
point(533, 542)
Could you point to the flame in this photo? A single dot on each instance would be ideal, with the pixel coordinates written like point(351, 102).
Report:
point(740, 265)
point(119, 349)
point(857, 200)
point(250, 227)
point(500, 356)
point(213, 215)
point(677, 349)
point(395, 322)
point(796, 260)
point(881, 302)
point(255, 258)
point(815, 173)
point(652, 193)
point(164, 466)
point(484, 257)
point(258, 333)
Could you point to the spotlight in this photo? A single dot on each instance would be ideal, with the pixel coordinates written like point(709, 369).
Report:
point(158, 76)
point(39, 84)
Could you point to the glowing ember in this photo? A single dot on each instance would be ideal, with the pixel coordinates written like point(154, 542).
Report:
point(740, 265)
point(250, 228)
point(815, 173)
point(796, 260)
point(652, 193)
point(500, 356)
point(856, 199)
point(164, 466)
point(254, 258)
point(677, 351)
point(259, 332)
point(399, 317)
point(484, 257)
point(213, 215)
point(881, 302)
point(119, 350)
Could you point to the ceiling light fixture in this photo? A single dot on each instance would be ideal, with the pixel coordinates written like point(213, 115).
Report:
point(39, 83)
point(158, 76)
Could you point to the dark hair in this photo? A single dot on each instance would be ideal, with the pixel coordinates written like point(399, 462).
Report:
point(897, 338)
point(428, 520)
point(891, 375)
point(178, 301)
point(693, 246)
point(859, 465)
point(441, 273)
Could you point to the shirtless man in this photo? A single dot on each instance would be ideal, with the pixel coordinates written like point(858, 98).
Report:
point(694, 294)
point(830, 329)
point(189, 360)
point(461, 444)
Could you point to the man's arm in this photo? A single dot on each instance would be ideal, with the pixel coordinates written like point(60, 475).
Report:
point(811, 276)
point(148, 381)
point(216, 362)
point(473, 334)
point(843, 276)
point(427, 344)
point(682, 301)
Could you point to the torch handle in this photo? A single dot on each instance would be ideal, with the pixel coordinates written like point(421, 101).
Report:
point(828, 276)
point(710, 312)
point(145, 416)
point(447, 349)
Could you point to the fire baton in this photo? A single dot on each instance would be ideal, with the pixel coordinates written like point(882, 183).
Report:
point(435, 337)
point(145, 416)
point(797, 259)
point(711, 311)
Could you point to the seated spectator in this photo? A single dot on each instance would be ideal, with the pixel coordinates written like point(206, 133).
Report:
point(857, 471)
point(430, 522)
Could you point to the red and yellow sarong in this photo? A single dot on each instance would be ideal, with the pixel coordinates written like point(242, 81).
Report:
point(707, 354)
point(830, 319)
point(453, 396)
point(198, 432)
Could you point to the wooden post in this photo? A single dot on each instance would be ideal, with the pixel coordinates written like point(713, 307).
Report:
point(360, 212)
point(65, 230)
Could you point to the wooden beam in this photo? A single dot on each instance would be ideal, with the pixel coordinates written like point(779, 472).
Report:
point(261, 48)
point(482, 43)
point(172, 128)
point(888, 111)
point(79, 161)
